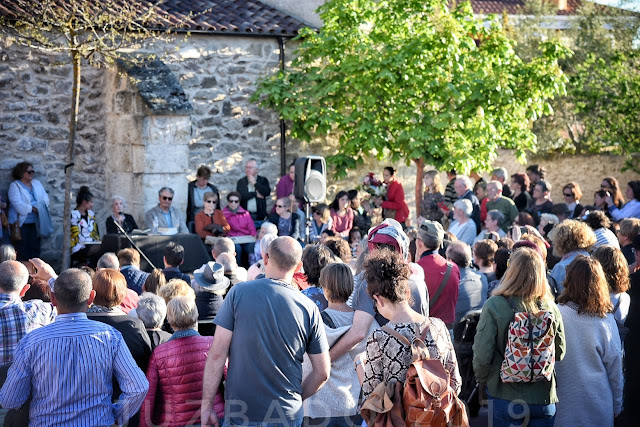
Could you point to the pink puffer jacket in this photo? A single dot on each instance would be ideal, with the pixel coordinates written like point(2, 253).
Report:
point(240, 222)
point(175, 374)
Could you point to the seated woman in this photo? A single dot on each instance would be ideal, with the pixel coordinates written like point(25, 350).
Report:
point(629, 210)
point(288, 223)
point(342, 214)
point(211, 221)
point(321, 222)
point(387, 276)
point(84, 230)
point(241, 224)
point(176, 371)
point(126, 221)
point(462, 225)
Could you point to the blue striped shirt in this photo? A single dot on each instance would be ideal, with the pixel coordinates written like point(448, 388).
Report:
point(67, 367)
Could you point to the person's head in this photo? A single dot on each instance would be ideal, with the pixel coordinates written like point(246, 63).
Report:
point(460, 253)
point(292, 171)
point(432, 182)
point(233, 201)
point(110, 286)
point(502, 261)
point(484, 252)
point(73, 291)
point(586, 286)
point(494, 190)
point(251, 168)
point(561, 211)
point(284, 256)
point(520, 182)
point(505, 242)
point(129, 256)
point(388, 174)
point(547, 222)
point(387, 275)
point(354, 198)
point(223, 245)
point(572, 193)
point(117, 203)
point(176, 288)
point(314, 259)
point(341, 201)
point(451, 174)
point(635, 245)
point(283, 205)
point(462, 184)
point(84, 198)
point(541, 190)
point(536, 173)
point(182, 313)
point(390, 235)
point(633, 190)
point(462, 207)
point(535, 240)
point(7, 253)
point(165, 198)
point(629, 228)
point(355, 236)
point(321, 213)
point(525, 277)
point(597, 219)
point(38, 289)
point(339, 247)
point(202, 175)
point(480, 188)
point(325, 235)
point(173, 254)
point(337, 282)
point(211, 200)
point(13, 277)
point(108, 260)
point(430, 236)
point(610, 185)
point(615, 268)
point(23, 171)
point(494, 220)
point(155, 280)
point(524, 218)
point(151, 310)
point(499, 174)
point(228, 262)
point(267, 228)
point(265, 242)
point(571, 236)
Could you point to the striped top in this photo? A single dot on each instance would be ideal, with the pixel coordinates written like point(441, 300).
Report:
point(67, 368)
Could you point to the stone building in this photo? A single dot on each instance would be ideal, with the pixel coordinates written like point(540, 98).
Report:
point(191, 108)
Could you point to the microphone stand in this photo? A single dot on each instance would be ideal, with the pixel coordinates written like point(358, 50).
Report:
point(134, 244)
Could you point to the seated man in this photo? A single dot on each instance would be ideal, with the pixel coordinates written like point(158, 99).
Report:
point(49, 365)
point(231, 269)
point(225, 245)
point(165, 215)
point(129, 259)
point(173, 258)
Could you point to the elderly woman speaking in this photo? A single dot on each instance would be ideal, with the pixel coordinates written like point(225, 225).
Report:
point(176, 371)
point(126, 221)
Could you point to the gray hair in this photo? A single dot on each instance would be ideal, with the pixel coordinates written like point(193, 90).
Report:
point(550, 218)
point(266, 241)
point(228, 262)
point(108, 260)
point(169, 189)
point(182, 313)
point(269, 228)
point(72, 289)
point(114, 198)
point(497, 183)
point(465, 205)
point(151, 310)
point(285, 253)
point(466, 181)
point(223, 245)
point(8, 253)
point(500, 173)
point(496, 216)
point(460, 253)
point(13, 276)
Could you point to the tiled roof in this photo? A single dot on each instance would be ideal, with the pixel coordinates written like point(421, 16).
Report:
point(246, 17)
point(515, 7)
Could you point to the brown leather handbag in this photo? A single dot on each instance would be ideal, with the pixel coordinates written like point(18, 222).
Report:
point(15, 235)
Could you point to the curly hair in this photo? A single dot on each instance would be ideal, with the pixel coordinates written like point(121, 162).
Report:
point(314, 259)
point(586, 286)
point(597, 219)
point(339, 247)
point(387, 275)
point(176, 288)
point(615, 267)
point(571, 235)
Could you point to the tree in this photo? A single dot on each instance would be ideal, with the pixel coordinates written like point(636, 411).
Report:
point(82, 32)
point(600, 109)
point(412, 80)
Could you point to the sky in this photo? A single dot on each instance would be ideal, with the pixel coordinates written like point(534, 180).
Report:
point(626, 4)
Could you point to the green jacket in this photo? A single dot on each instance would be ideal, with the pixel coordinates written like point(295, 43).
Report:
point(489, 346)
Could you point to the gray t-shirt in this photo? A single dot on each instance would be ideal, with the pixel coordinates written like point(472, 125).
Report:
point(363, 302)
point(273, 326)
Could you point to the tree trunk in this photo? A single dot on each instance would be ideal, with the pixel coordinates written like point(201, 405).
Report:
point(419, 181)
point(73, 121)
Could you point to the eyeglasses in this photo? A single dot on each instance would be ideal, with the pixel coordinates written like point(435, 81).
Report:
point(167, 198)
point(316, 212)
point(280, 206)
point(210, 201)
point(233, 201)
point(31, 172)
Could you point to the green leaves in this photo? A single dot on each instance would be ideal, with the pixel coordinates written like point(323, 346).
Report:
point(410, 79)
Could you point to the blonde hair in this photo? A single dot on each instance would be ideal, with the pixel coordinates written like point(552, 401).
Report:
point(182, 313)
point(437, 186)
point(175, 288)
point(571, 235)
point(525, 277)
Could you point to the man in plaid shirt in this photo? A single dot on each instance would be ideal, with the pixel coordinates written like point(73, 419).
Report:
point(17, 318)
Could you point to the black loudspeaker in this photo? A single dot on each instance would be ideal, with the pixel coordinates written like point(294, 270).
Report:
point(311, 179)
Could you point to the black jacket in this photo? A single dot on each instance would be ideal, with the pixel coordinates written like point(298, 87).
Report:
point(295, 224)
point(262, 185)
point(191, 214)
point(129, 225)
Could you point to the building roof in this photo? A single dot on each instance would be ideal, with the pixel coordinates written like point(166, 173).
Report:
point(241, 17)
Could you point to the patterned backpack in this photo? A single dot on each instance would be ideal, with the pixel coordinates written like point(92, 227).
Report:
point(530, 352)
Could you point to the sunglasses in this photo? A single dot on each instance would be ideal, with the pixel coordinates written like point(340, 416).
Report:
point(31, 172)
point(167, 198)
point(209, 201)
point(280, 206)
point(233, 201)
point(568, 195)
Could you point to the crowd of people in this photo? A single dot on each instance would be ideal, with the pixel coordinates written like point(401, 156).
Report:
point(290, 328)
